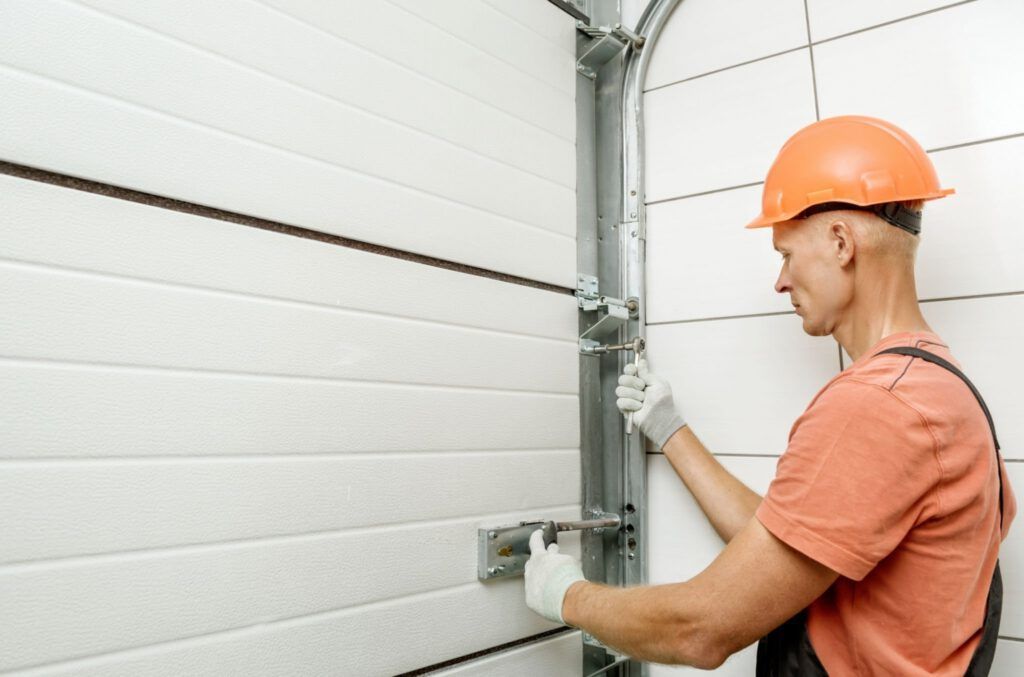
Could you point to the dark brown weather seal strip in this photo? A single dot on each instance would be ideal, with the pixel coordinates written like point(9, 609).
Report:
point(485, 652)
point(131, 195)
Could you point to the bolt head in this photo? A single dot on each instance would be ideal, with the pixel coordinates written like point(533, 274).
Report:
point(492, 534)
point(632, 555)
point(492, 570)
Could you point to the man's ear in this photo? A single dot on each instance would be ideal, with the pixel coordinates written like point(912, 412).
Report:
point(841, 241)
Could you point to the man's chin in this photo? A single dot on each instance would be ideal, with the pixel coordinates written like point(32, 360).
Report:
point(813, 329)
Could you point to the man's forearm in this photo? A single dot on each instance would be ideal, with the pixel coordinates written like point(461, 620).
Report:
point(660, 623)
point(728, 503)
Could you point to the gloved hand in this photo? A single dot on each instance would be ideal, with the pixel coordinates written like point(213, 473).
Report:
point(548, 577)
point(650, 399)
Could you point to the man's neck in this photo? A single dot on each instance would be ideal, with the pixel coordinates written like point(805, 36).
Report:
point(880, 311)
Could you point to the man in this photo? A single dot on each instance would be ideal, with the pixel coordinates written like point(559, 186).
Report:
point(875, 549)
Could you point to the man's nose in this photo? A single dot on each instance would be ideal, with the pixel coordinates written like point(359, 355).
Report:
point(782, 283)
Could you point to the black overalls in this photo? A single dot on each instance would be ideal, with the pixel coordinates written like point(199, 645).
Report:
point(787, 651)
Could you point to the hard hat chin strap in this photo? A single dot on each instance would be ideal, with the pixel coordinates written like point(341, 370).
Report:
point(893, 213)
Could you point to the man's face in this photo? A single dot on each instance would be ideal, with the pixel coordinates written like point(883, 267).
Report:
point(819, 287)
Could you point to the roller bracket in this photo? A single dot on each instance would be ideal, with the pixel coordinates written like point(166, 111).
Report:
point(504, 550)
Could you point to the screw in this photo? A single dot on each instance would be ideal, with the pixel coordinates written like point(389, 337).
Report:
point(493, 571)
point(492, 534)
point(632, 555)
point(632, 215)
point(632, 192)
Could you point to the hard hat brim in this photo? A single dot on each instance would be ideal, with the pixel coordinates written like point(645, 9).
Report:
point(763, 221)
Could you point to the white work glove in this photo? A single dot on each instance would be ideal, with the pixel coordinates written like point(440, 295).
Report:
point(548, 577)
point(650, 399)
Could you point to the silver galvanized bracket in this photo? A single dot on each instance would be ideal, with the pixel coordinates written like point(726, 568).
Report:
point(613, 313)
point(607, 42)
point(504, 550)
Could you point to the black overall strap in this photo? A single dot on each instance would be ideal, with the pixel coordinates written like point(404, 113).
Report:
point(945, 364)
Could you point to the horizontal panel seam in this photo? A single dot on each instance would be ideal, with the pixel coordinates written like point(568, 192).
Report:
point(236, 136)
point(570, 59)
point(173, 285)
point(517, 20)
point(424, 76)
point(243, 630)
point(243, 375)
point(315, 93)
point(193, 209)
point(526, 642)
point(255, 459)
point(233, 544)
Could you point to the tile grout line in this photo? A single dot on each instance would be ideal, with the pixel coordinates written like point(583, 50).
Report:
point(810, 51)
point(967, 297)
point(966, 144)
point(809, 44)
point(173, 204)
point(893, 21)
point(725, 68)
point(703, 193)
point(976, 143)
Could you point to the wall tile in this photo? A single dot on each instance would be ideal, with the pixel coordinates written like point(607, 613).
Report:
point(956, 79)
point(705, 35)
point(702, 262)
point(968, 245)
point(1011, 563)
point(740, 664)
point(724, 130)
point(985, 335)
point(834, 17)
point(683, 542)
point(1009, 658)
point(741, 383)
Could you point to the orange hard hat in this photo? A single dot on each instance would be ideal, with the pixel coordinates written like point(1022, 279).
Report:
point(844, 161)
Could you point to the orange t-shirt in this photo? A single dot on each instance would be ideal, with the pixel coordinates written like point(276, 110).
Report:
point(890, 480)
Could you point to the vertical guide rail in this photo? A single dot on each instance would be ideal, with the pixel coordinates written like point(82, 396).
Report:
point(611, 239)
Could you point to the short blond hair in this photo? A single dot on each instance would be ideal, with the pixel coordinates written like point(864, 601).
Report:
point(885, 239)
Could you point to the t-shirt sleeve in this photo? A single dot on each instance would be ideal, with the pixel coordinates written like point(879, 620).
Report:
point(859, 472)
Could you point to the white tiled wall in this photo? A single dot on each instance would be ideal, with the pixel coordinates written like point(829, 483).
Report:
point(729, 82)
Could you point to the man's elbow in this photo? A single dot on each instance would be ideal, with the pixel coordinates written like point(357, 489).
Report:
point(704, 650)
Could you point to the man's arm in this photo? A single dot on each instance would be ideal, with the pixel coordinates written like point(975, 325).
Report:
point(755, 584)
point(728, 503)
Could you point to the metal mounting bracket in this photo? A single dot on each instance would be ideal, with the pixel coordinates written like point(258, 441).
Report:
point(614, 312)
point(503, 551)
point(608, 42)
